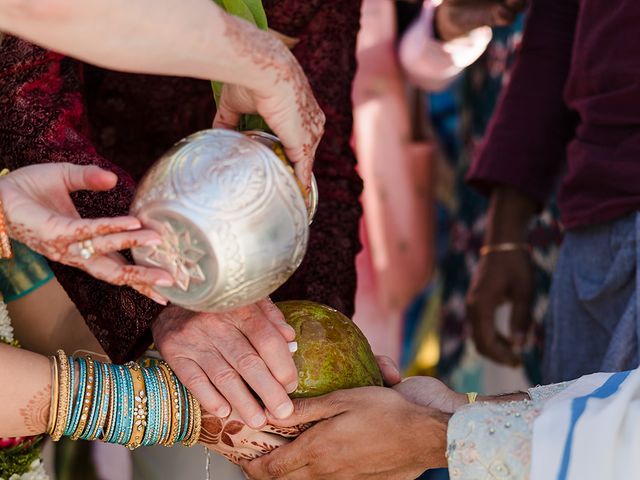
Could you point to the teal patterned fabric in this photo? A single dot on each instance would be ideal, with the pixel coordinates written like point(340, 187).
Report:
point(24, 273)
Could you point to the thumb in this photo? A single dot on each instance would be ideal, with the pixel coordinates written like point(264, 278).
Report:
point(310, 410)
point(226, 117)
point(390, 373)
point(87, 177)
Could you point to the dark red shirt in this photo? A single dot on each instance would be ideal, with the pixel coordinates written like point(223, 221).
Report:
point(571, 112)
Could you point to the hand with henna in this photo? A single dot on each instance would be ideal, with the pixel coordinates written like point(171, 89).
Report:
point(39, 213)
point(455, 18)
point(281, 94)
point(235, 440)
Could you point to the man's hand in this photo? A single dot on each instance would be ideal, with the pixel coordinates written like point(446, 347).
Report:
point(503, 277)
point(455, 18)
point(370, 432)
point(431, 392)
point(215, 354)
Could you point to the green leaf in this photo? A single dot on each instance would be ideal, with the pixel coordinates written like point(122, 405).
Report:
point(239, 9)
point(253, 12)
point(217, 91)
point(259, 15)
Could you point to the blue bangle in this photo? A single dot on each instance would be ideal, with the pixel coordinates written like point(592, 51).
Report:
point(153, 418)
point(164, 405)
point(185, 417)
point(104, 401)
point(129, 417)
point(125, 406)
point(98, 403)
point(95, 400)
point(119, 392)
point(77, 409)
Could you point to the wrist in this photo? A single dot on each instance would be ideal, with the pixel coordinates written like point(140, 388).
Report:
point(431, 431)
point(508, 397)
point(509, 215)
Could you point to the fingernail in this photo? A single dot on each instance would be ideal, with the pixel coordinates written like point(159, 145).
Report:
point(292, 387)
point(154, 242)
point(135, 226)
point(223, 412)
point(164, 282)
point(161, 301)
point(291, 329)
point(258, 420)
point(284, 410)
point(293, 347)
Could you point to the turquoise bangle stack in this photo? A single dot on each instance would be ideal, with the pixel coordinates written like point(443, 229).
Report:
point(129, 405)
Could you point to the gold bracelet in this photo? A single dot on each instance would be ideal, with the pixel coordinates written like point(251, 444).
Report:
point(472, 396)
point(53, 408)
point(139, 407)
point(504, 247)
point(174, 430)
point(65, 396)
point(190, 425)
point(197, 424)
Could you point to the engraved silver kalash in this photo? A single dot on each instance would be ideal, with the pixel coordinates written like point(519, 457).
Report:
point(231, 215)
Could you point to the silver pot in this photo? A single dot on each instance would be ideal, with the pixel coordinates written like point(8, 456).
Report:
point(232, 217)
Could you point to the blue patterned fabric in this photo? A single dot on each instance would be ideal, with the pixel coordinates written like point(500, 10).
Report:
point(24, 273)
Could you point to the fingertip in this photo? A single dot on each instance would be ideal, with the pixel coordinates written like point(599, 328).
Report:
point(100, 179)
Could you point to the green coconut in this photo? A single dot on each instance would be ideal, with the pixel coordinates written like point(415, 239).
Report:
point(332, 354)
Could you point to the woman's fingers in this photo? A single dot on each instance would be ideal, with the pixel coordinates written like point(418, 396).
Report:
point(116, 242)
point(79, 177)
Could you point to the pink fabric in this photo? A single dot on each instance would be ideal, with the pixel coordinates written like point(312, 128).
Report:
point(431, 64)
point(397, 233)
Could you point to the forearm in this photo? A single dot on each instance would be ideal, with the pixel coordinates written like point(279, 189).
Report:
point(187, 38)
point(510, 211)
point(25, 395)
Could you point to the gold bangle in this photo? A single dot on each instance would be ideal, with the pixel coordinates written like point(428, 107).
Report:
point(87, 402)
point(139, 406)
point(174, 430)
point(472, 396)
point(197, 424)
point(64, 396)
point(53, 408)
point(190, 425)
point(504, 247)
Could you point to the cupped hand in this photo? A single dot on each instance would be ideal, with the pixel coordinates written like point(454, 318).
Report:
point(501, 277)
point(282, 96)
point(370, 432)
point(235, 440)
point(431, 392)
point(223, 357)
point(455, 18)
point(39, 213)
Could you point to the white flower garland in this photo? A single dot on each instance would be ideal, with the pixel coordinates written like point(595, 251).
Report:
point(6, 330)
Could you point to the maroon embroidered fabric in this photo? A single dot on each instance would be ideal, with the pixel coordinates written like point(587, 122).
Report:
point(54, 109)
